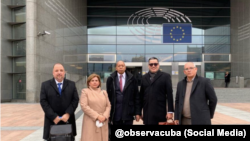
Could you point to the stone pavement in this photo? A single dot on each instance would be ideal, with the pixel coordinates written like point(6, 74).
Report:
point(24, 121)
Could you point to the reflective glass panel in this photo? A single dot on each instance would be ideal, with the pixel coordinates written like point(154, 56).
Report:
point(161, 57)
point(131, 30)
point(159, 48)
point(219, 75)
point(102, 58)
point(219, 48)
point(101, 39)
point(187, 57)
point(20, 65)
point(102, 30)
point(130, 49)
point(130, 40)
point(131, 57)
point(19, 31)
point(187, 48)
point(217, 67)
point(19, 86)
point(101, 48)
point(216, 57)
point(19, 48)
point(20, 15)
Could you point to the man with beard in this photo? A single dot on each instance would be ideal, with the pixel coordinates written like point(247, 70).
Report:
point(59, 100)
point(156, 94)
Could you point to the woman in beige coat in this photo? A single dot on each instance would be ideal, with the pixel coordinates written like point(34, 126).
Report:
point(96, 107)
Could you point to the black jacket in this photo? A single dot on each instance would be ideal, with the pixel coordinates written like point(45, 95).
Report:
point(55, 105)
point(227, 78)
point(203, 101)
point(155, 96)
point(131, 99)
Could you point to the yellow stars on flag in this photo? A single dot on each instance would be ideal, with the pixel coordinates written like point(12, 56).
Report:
point(177, 28)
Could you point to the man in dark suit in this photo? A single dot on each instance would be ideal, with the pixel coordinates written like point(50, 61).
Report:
point(195, 100)
point(227, 79)
point(59, 100)
point(156, 95)
point(123, 94)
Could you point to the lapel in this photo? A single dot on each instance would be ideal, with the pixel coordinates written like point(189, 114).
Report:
point(184, 85)
point(53, 84)
point(147, 76)
point(65, 84)
point(194, 83)
point(158, 74)
point(127, 78)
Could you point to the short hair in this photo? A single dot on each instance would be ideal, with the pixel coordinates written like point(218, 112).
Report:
point(57, 64)
point(190, 62)
point(153, 58)
point(91, 77)
point(119, 61)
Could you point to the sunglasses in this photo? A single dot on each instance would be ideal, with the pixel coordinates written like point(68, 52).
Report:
point(153, 64)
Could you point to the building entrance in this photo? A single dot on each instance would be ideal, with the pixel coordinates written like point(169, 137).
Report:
point(137, 72)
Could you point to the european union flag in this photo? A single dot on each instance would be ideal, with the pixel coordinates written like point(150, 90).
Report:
point(177, 33)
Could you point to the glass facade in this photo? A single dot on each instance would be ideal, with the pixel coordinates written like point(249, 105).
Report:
point(19, 49)
point(133, 32)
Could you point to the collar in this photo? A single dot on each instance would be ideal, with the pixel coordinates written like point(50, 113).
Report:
point(58, 82)
point(154, 73)
point(123, 75)
point(191, 80)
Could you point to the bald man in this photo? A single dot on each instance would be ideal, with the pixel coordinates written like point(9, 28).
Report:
point(59, 100)
point(123, 94)
point(195, 100)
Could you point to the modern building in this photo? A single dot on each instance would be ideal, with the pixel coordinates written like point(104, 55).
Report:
point(90, 36)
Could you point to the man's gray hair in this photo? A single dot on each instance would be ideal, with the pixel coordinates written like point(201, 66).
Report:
point(190, 62)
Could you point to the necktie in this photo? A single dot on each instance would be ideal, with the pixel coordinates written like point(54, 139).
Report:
point(121, 82)
point(59, 87)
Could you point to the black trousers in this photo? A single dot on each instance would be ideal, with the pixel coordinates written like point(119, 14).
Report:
point(73, 139)
point(226, 84)
point(123, 122)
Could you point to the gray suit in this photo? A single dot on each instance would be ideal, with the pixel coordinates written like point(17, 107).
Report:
point(203, 101)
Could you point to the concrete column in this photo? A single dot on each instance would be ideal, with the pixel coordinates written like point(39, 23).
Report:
point(31, 34)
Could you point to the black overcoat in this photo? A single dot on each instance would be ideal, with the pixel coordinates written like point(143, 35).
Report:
point(55, 105)
point(156, 97)
point(131, 99)
point(203, 101)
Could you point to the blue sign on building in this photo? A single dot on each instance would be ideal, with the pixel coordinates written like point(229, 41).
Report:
point(177, 33)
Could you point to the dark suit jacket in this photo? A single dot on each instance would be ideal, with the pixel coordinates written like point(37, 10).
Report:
point(203, 101)
point(131, 98)
point(55, 105)
point(155, 96)
point(227, 78)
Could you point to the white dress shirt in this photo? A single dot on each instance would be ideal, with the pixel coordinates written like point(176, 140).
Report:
point(59, 82)
point(123, 79)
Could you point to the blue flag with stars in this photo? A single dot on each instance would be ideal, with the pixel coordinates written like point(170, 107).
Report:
point(177, 33)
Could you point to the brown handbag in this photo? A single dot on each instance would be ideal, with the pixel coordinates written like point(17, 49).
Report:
point(168, 122)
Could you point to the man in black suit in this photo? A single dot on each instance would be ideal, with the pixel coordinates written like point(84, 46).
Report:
point(123, 94)
point(59, 100)
point(156, 95)
point(195, 100)
point(227, 79)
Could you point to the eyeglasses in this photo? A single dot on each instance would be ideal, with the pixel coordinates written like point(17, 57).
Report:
point(191, 68)
point(153, 64)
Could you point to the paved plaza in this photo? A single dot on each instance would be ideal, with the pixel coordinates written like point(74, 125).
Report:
point(24, 121)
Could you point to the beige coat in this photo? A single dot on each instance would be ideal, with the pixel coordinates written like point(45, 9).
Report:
point(94, 103)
